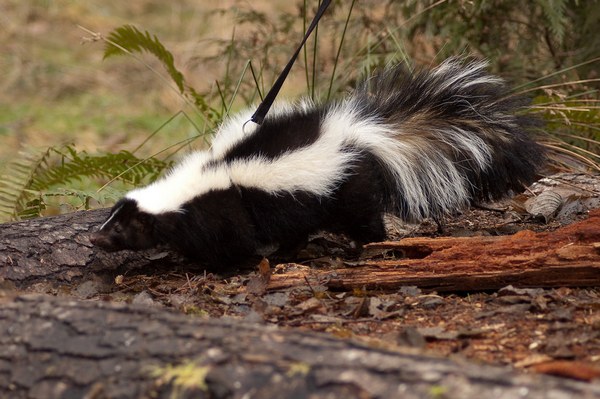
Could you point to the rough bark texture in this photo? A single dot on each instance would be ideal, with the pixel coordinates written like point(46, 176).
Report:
point(58, 249)
point(569, 256)
point(56, 347)
point(53, 347)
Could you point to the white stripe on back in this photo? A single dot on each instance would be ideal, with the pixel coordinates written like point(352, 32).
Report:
point(421, 169)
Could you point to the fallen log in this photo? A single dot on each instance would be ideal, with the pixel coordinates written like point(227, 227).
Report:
point(58, 249)
point(58, 347)
point(567, 257)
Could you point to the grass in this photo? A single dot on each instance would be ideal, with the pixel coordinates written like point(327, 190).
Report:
point(57, 89)
point(54, 89)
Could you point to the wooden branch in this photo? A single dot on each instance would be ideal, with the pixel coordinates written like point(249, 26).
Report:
point(569, 256)
point(57, 347)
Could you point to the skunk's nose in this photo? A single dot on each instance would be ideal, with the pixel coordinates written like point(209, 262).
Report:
point(100, 240)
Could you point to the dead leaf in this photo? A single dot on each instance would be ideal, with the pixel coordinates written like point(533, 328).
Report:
point(545, 205)
point(408, 336)
point(513, 299)
point(409, 290)
point(144, 298)
point(430, 301)
point(437, 333)
point(310, 304)
point(362, 309)
point(561, 314)
point(532, 360)
point(510, 290)
point(278, 299)
point(264, 268)
point(375, 310)
point(257, 285)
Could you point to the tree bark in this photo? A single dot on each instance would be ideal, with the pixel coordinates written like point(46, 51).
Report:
point(567, 257)
point(58, 249)
point(57, 347)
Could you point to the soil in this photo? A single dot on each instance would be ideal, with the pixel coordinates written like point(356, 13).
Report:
point(555, 331)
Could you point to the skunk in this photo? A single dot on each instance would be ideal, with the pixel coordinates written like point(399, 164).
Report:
point(413, 144)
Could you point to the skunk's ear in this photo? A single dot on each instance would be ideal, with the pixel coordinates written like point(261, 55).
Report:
point(145, 222)
point(145, 218)
point(127, 208)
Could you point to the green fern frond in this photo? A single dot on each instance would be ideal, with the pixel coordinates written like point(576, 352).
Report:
point(28, 181)
point(77, 165)
point(78, 199)
point(16, 180)
point(211, 113)
point(555, 13)
point(32, 209)
point(128, 38)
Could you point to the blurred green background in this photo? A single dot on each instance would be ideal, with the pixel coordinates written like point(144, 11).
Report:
point(57, 89)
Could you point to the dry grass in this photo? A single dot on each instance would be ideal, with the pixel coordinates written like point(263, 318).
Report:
point(56, 88)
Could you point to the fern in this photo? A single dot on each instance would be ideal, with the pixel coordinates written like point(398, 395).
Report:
point(128, 37)
point(86, 199)
point(76, 165)
point(28, 181)
point(555, 13)
point(16, 181)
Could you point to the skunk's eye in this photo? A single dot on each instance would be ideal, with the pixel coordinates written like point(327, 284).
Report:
point(118, 228)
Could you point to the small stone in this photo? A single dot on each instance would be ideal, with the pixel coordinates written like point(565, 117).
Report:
point(144, 298)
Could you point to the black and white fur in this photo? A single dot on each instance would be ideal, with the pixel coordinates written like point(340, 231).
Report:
point(415, 145)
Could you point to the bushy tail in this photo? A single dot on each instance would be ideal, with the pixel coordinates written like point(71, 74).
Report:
point(454, 135)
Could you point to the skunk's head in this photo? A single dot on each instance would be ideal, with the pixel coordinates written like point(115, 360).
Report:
point(127, 227)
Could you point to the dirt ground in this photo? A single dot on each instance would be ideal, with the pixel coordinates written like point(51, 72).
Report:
point(555, 331)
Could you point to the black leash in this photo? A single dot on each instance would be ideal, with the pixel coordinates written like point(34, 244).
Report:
point(260, 113)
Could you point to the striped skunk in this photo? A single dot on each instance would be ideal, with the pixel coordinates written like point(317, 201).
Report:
point(415, 145)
